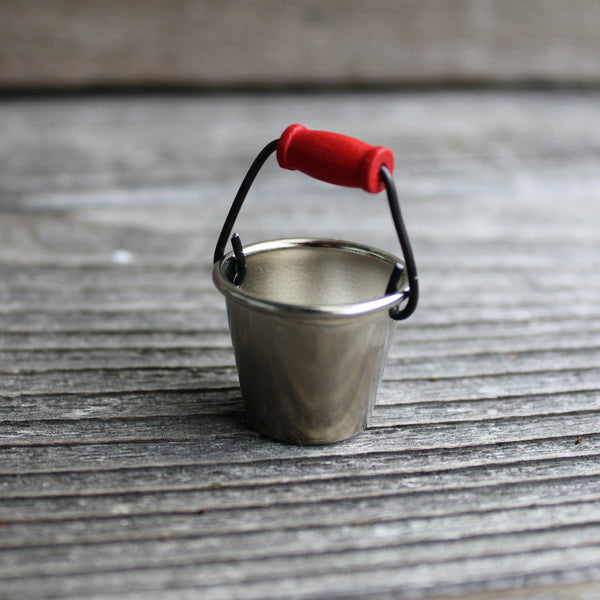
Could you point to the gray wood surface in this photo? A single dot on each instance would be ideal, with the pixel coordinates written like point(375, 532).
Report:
point(73, 43)
point(126, 467)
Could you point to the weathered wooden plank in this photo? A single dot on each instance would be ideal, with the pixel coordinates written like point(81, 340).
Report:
point(191, 493)
point(163, 330)
point(410, 346)
point(22, 409)
point(125, 404)
point(350, 573)
point(163, 553)
point(291, 467)
point(229, 438)
point(538, 590)
point(94, 340)
point(333, 541)
point(401, 389)
point(25, 282)
point(425, 529)
point(523, 320)
point(555, 479)
point(585, 591)
point(494, 386)
point(98, 321)
point(54, 278)
point(461, 362)
point(202, 527)
point(198, 423)
point(233, 43)
point(116, 357)
point(185, 299)
point(120, 380)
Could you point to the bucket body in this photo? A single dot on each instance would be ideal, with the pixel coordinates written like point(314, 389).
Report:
point(311, 330)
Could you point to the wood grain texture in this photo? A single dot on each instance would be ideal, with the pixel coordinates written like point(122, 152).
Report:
point(66, 43)
point(127, 469)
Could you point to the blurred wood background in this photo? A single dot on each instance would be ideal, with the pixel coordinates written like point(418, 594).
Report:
point(66, 44)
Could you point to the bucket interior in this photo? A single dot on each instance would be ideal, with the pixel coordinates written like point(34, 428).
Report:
point(316, 273)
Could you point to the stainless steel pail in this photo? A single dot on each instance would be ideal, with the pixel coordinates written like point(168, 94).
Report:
point(311, 320)
point(311, 329)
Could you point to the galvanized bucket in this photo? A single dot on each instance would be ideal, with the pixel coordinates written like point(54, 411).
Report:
point(311, 320)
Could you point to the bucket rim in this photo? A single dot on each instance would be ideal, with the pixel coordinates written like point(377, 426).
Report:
point(228, 289)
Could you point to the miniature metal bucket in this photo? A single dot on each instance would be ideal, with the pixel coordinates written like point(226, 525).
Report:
point(311, 320)
point(311, 329)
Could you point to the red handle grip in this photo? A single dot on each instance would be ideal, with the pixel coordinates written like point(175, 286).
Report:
point(334, 158)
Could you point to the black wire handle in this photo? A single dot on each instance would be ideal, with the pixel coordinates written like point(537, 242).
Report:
point(411, 295)
point(409, 260)
point(234, 211)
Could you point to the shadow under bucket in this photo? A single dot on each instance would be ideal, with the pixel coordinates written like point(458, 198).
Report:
point(311, 320)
